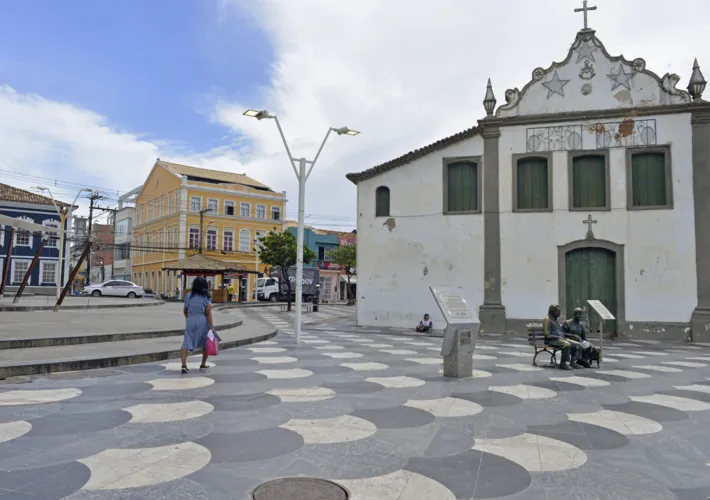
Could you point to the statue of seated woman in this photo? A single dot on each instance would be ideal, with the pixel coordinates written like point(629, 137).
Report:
point(574, 330)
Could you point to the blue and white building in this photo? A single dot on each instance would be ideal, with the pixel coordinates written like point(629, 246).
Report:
point(25, 205)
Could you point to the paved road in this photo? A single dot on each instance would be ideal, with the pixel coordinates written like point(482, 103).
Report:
point(372, 412)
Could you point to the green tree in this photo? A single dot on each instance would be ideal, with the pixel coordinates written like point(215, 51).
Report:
point(346, 256)
point(278, 250)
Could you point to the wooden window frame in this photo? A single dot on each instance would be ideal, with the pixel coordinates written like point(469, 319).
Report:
point(478, 160)
point(522, 156)
point(389, 201)
point(667, 164)
point(571, 155)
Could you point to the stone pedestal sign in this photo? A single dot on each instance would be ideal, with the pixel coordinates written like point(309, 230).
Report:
point(460, 334)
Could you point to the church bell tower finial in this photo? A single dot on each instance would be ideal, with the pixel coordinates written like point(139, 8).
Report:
point(489, 101)
point(697, 84)
point(585, 9)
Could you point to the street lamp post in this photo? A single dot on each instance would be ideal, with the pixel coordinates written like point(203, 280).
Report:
point(302, 176)
point(62, 222)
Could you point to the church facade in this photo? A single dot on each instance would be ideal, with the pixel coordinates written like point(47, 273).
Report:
point(589, 183)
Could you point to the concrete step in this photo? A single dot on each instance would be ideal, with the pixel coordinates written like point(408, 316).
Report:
point(41, 360)
point(40, 340)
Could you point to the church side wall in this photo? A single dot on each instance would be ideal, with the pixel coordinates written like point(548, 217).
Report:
point(400, 256)
point(659, 269)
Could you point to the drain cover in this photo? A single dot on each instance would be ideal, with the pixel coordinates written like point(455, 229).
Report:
point(300, 488)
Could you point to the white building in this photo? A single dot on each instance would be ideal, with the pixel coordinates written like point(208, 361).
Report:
point(589, 183)
point(123, 238)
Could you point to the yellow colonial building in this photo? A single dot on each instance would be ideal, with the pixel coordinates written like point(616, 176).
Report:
point(185, 210)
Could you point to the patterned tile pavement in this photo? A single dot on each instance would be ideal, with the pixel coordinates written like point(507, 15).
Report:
point(370, 410)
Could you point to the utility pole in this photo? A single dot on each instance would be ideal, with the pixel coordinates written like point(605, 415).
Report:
point(202, 223)
point(93, 197)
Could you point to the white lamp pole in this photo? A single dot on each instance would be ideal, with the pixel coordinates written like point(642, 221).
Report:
point(302, 176)
point(62, 222)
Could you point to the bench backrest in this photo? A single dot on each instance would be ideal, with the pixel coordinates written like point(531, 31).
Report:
point(536, 333)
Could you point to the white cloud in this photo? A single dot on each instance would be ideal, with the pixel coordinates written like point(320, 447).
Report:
point(409, 72)
point(404, 72)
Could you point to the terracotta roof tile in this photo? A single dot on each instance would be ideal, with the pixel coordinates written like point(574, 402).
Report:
point(11, 193)
point(199, 262)
point(413, 155)
point(215, 175)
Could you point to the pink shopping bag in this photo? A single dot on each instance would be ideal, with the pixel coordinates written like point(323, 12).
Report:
point(212, 344)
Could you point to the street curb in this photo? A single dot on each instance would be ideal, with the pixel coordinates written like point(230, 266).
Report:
point(114, 361)
point(65, 308)
point(100, 338)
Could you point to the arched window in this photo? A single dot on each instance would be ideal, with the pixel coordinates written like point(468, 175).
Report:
point(382, 202)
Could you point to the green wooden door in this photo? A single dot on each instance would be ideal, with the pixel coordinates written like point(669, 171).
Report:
point(591, 274)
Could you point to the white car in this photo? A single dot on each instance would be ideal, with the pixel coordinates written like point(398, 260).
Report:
point(114, 288)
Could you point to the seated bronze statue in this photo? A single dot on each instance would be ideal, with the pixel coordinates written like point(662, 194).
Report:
point(555, 336)
point(574, 330)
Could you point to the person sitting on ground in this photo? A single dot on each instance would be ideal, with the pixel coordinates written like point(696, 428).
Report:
point(425, 324)
point(574, 330)
point(555, 337)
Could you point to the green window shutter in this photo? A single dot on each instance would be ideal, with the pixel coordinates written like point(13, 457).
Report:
point(462, 187)
point(648, 179)
point(588, 182)
point(382, 202)
point(532, 188)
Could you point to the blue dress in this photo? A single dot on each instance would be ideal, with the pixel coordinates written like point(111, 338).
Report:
point(197, 325)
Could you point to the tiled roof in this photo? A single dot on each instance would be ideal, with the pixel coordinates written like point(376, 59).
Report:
point(11, 193)
point(413, 155)
point(199, 262)
point(294, 224)
point(214, 175)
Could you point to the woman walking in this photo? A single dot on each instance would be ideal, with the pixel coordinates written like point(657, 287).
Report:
point(198, 313)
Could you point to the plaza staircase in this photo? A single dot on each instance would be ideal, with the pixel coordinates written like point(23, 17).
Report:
point(41, 342)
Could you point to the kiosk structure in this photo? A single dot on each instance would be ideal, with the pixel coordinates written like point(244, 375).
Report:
point(460, 334)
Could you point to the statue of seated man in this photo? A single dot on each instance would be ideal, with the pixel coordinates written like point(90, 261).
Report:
point(574, 330)
point(555, 337)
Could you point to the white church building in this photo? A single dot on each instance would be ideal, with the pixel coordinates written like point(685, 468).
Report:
point(592, 182)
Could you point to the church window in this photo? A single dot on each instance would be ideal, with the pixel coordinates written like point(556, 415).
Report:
point(382, 202)
point(589, 181)
point(648, 179)
point(462, 186)
point(532, 186)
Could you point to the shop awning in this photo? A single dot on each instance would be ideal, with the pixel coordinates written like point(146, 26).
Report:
point(353, 279)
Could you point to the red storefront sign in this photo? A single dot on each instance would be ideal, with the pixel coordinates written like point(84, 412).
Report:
point(328, 266)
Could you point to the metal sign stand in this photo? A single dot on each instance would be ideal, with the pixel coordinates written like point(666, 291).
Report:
point(604, 315)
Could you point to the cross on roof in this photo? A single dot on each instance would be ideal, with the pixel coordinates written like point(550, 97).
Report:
point(585, 9)
point(589, 223)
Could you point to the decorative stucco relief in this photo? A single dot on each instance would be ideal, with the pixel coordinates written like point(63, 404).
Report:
point(567, 86)
point(626, 133)
point(617, 134)
point(564, 138)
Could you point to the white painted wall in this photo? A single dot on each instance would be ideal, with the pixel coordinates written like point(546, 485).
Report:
point(584, 92)
point(659, 245)
point(395, 268)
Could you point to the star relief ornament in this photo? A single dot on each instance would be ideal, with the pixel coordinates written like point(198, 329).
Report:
point(555, 86)
point(585, 50)
point(621, 78)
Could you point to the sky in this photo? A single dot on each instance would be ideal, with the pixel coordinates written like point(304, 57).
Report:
point(91, 93)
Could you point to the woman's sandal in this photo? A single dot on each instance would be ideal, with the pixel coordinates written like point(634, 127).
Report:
point(184, 369)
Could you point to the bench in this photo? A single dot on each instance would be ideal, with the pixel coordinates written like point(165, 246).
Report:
point(536, 338)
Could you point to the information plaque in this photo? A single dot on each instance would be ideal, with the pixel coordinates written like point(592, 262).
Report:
point(453, 305)
point(601, 310)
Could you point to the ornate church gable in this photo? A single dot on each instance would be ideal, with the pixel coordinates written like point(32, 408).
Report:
point(590, 78)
